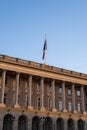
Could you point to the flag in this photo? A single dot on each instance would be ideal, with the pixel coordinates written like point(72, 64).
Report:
point(44, 49)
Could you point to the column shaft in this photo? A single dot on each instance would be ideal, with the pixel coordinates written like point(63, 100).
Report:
point(73, 98)
point(17, 90)
point(30, 92)
point(53, 96)
point(3, 87)
point(42, 94)
point(64, 97)
point(83, 100)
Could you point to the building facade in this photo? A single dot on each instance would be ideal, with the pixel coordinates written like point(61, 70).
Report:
point(36, 96)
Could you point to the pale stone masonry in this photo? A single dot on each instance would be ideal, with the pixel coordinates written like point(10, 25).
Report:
point(36, 96)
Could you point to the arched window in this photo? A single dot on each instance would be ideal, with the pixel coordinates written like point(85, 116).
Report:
point(48, 124)
point(22, 123)
point(70, 124)
point(60, 124)
point(35, 123)
point(8, 122)
point(81, 124)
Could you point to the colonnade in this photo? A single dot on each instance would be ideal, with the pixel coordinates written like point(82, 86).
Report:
point(42, 93)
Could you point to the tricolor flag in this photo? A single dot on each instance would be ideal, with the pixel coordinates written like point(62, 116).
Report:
point(44, 49)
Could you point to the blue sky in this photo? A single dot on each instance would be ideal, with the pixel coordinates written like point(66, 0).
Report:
point(23, 24)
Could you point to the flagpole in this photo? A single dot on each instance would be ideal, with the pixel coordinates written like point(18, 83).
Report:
point(46, 47)
point(45, 59)
point(44, 50)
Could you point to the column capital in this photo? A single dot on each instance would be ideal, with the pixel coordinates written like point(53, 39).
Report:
point(42, 77)
point(30, 75)
point(63, 81)
point(4, 70)
point(53, 80)
point(82, 86)
point(18, 73)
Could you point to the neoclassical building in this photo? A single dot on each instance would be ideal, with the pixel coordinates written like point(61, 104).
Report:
point(36, 96)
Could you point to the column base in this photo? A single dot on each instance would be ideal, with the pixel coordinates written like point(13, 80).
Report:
point(54, 110)
point(42, 109)
point(16, 106)
point(74, 111)
point(65, 110)
point(2, 105)
point(30, 107)
point(85, 113)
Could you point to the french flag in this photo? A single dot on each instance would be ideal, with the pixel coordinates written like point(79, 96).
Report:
point(44, 49)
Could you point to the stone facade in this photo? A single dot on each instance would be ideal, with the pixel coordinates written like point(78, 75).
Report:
point(36, 96)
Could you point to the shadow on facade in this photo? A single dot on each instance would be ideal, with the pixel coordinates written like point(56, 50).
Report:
point(39, 123)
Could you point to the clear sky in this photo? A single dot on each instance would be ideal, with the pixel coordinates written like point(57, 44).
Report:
point(23, 24)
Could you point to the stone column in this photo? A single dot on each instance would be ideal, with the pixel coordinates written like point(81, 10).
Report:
point(73, 98)
point(17, 91)
point(53, 96)
point(42, 94)
point(64, 97)
point(83, 100)
point(3, 88)
point(30, 92)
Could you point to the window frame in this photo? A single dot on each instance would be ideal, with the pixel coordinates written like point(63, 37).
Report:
point(60, 105)
point(78, 92)
point(60, 90)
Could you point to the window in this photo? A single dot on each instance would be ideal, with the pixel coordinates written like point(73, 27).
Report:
point(69, 91)
point(50, 88)
point(78, 107)
point(60, 90)
point(60, 105)
point(50, 103)
point(70, 106)
point(78, 93)
point(38, 87)
point(5, 97)
point(38, 103)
